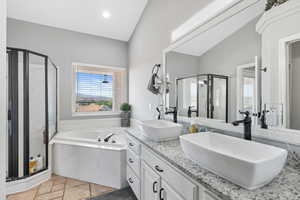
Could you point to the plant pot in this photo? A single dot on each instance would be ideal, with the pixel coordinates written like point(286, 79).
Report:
point(125, 119)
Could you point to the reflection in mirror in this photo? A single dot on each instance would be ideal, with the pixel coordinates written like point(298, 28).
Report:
point(294, 87)
point(246, 89)
point(191, 67)
point(187, 97)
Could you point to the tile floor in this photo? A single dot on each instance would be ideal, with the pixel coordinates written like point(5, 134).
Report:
point(61, 188)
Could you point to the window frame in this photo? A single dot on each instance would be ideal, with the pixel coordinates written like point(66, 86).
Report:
point(74, 86)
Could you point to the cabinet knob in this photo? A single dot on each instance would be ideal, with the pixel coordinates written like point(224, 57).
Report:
point(130, 160)
point(158, 169)
point(130, 144)
point(161, 196)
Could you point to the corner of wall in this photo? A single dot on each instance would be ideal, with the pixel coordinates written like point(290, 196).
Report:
point(3, 119)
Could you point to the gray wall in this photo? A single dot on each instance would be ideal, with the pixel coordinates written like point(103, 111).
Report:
point(180, 65)
point(295, 94)
point(65, 47)
point(238, 49)
point(151, 36)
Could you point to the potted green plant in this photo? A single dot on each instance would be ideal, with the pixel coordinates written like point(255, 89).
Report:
point(125, 114)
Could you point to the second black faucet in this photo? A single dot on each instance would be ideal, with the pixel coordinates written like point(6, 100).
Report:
point(247, 121)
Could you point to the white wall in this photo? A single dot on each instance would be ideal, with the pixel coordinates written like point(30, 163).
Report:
point(180, 65)
point(3, 116)
point(151, 37)
point(65, 47)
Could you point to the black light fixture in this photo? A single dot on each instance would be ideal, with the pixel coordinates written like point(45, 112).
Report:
point(105, 79)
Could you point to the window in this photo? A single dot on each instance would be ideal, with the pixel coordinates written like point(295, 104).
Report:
point(98, 89)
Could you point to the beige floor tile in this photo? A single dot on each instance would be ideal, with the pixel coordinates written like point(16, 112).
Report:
point(52, 195)
point(61, 188)
point(58, 180)
point(28, 195)
point(77, 193)
point(97, 190)
point(58, 187)
point(45, 187)
point(73, 183)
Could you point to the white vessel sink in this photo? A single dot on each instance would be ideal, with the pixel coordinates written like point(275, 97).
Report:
point(246, 163)
point(161, 130)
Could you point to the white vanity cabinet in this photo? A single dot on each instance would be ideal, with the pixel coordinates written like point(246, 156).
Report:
point(153, 178)
point(150, 184)
point(167, 192)
point(134, 165)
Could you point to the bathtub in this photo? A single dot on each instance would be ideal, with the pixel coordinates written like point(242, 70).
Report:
point(84, 155)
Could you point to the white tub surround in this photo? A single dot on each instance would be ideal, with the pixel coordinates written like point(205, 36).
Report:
point(88, 124)
point(85, 156)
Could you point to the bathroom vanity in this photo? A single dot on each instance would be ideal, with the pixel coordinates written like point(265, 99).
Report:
point(151, 177)
point(255, 57)
point(160, 170)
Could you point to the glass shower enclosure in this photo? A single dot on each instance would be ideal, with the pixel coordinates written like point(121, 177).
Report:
point(206, 95)
point(32, 112)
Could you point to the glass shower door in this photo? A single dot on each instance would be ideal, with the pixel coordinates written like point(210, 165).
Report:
point(37, 112)
point(32, 112)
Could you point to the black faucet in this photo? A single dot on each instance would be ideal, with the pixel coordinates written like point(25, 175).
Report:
point(190, 111)
point(159, 113)
point(174, 112)
point(106, 139)
point(263, 123)
point(247, 121)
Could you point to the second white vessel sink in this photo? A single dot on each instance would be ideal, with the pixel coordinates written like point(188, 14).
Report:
point(161, 130)
point(246, 163)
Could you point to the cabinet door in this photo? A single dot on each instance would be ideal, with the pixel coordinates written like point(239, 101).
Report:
point(167, 193)
point(150, 183)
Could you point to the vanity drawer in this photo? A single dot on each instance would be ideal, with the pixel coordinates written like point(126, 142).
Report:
point(133, 161)
point(134, 182)
point(134, 145)
point(179, 182)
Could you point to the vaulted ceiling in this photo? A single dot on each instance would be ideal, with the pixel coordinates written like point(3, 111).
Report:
point(85, 16)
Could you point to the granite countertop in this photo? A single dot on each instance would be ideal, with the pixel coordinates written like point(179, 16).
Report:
point(286, 186)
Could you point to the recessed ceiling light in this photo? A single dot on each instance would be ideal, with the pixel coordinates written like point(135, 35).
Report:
point(106, 14)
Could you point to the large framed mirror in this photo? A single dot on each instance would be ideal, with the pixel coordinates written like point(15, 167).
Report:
point(281, 55)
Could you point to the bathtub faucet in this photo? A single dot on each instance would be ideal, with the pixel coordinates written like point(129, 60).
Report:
point(106, 139)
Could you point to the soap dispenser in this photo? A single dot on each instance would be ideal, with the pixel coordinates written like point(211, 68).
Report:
point(193, 129)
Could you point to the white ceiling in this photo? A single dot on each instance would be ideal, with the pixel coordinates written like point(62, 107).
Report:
point(82, 15)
